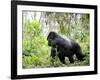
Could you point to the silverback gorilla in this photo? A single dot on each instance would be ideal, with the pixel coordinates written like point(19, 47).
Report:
point(64, 47)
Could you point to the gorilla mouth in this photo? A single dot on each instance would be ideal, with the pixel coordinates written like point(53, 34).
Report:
point(49, 44)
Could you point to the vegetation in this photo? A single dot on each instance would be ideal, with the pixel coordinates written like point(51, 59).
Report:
point(36, 52)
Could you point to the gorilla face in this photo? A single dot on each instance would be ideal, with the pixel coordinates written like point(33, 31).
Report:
point(65, 47)
point(51, 39)
point(52, 43)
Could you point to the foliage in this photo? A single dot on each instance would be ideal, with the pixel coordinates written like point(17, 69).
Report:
point(35, 47)
point(36, 52)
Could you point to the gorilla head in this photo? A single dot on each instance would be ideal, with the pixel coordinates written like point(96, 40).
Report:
point(51, 39)
point(65, 47)
point(52, 35)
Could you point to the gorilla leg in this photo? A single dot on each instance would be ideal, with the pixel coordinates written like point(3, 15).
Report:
point(79, 54)
point(53, 54)
point(61, 58)
point(71, 59)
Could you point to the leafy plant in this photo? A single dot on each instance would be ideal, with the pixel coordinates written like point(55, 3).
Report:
point(36, 52)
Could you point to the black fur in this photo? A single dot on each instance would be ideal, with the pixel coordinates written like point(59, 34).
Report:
point(65, 48)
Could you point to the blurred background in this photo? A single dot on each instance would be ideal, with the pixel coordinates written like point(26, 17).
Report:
point(36, 27)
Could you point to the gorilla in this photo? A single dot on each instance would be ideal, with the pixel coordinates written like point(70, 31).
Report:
point(64, 48)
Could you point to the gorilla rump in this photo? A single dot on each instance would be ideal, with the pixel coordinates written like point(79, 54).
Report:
point(64, 47)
